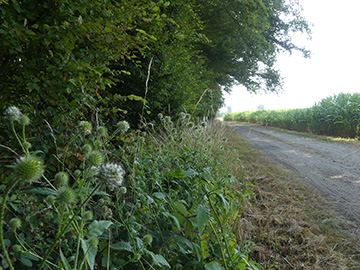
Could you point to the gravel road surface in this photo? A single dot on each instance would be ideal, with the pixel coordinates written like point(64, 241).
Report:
point(331, 167)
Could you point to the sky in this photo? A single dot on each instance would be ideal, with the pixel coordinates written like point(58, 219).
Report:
point(333, 67)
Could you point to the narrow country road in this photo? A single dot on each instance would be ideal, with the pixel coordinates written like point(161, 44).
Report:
point(331, 167)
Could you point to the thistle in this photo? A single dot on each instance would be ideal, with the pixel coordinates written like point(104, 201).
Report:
point(112, 174)
point(13, 113)
point(85, 127)
point(29, 168)
point(123, 126)
point(61, 179)
point(95, 158)
point(66, 195)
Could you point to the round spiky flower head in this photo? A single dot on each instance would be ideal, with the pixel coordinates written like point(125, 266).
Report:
point(95, 158)
point(85, 127)
point(13, 113)
point(102, 130)
point(15, 223)
point(87, 148)
point(61, 179)
point(66, 195)
point(29, 168)
point(112, 174)
point(24, 120)
point(123, 126)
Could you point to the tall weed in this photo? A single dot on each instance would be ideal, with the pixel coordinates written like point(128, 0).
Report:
point(159, 198)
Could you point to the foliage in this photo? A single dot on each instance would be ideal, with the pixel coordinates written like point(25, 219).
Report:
point(123, 200)
point(64, 59)
point(338, 115)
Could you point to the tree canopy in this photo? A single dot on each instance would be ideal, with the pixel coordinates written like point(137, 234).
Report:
point(64, 59)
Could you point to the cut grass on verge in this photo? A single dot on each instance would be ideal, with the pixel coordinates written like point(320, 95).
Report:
point(291, 226)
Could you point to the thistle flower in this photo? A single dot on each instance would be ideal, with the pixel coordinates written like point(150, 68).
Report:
point(112, 174)
point(87, 148)
point(24, 120)
point(15, 223)
point(13, 113)
point(61, 179)
point(29, 168)
point(95, 158)
point(102, 130)
point(66, 195)
point(123, 126)
point(148, 239)
point(85, 127)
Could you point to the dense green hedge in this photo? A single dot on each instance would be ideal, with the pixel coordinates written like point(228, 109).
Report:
point(338, 115)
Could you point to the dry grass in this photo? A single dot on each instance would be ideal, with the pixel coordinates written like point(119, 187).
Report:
point(291, 226)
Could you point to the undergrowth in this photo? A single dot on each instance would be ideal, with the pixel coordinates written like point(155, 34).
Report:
point(160, 198)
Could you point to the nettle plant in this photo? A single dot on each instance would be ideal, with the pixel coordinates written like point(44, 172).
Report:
point(149, 199)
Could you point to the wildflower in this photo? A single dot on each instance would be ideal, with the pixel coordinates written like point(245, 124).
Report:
point(15, 223)
point(29, 168)
point(102, 130)
point(87, 148)
point(66, 195)
point(93, 242)
point(61, 179)
point(148, 239)
point(95, 158)
point(123, 190)
point(17, 248)
point(85, 127)
point(88, 215)
point(123, 126)
point(27, 145)
point(24, 120)
point(113, 175)
point(13, 113)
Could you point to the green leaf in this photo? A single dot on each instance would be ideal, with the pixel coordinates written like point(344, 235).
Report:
point(97, 228)
point(64, 261)
point(159, 195)
point(177, 174)
point(202, 217)
point(213, 266)
point(90, 253)
point(122, 246)
point(181, 208)
point(160, 260)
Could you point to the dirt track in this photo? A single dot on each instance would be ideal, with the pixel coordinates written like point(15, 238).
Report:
point(331, 167)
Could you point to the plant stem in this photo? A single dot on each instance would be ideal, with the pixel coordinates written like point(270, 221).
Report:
point(2, 211)
point(68, 223)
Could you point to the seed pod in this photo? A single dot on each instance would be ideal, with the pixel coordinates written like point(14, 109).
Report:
point(95, 158)
point(148, 239)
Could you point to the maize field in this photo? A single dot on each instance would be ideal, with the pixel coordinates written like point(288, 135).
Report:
point(338, 115)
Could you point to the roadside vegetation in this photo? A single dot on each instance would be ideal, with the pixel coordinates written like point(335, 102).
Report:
point(338, 115)
point(164, 198)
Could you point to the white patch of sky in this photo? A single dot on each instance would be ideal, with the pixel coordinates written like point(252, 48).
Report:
point(333, 67)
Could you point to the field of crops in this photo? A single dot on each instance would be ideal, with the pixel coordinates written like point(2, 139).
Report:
point(338, 115)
